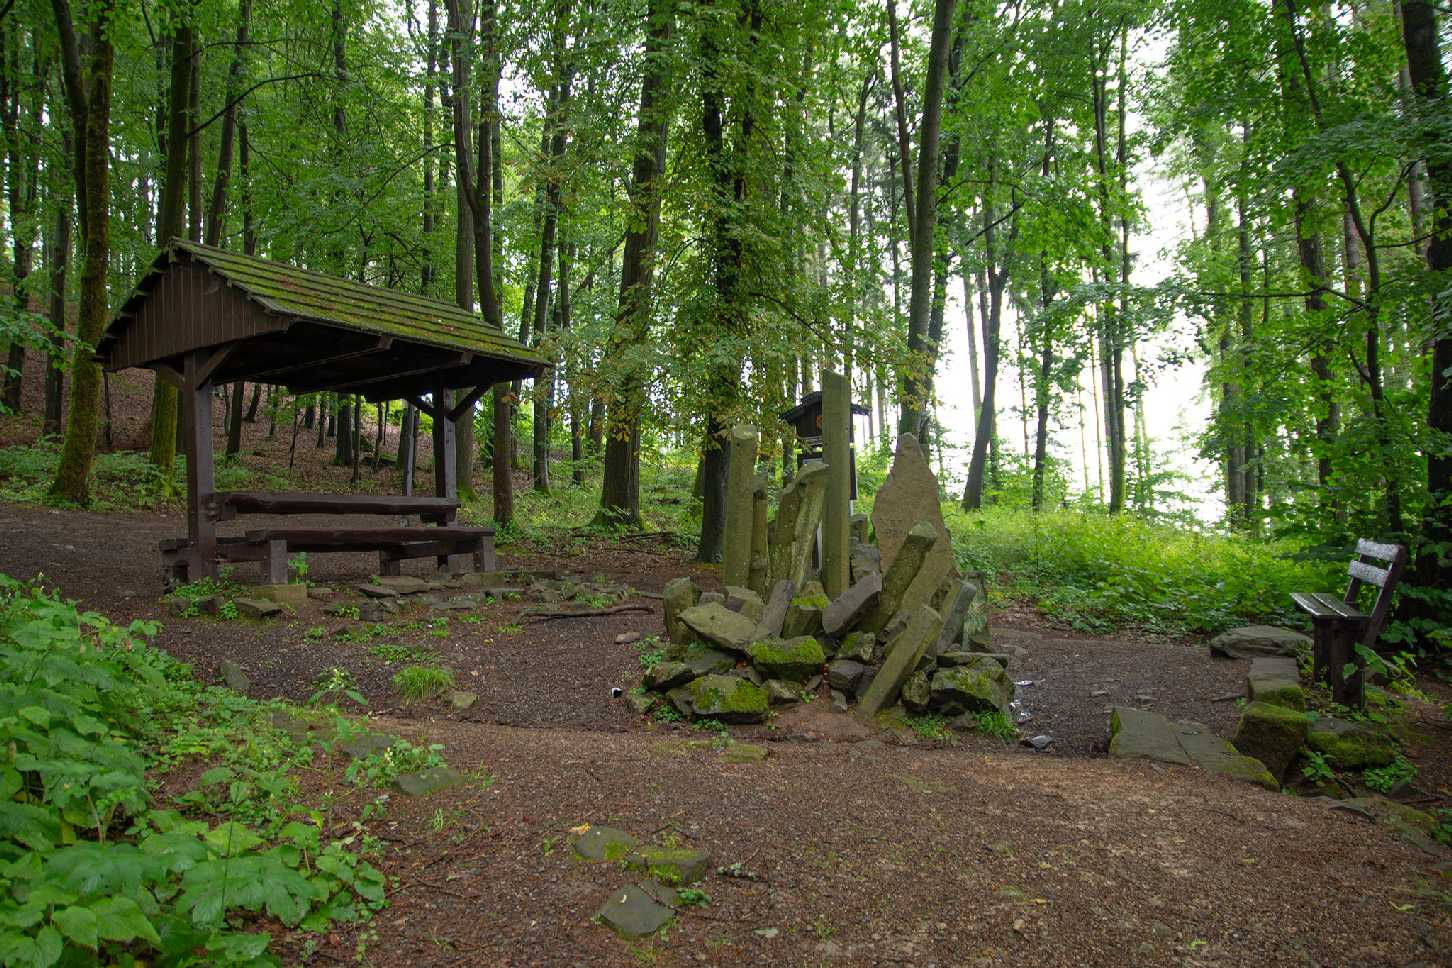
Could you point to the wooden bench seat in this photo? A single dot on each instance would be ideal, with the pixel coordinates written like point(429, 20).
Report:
point(455, 547)
point(225, 505)
point(1340, 625)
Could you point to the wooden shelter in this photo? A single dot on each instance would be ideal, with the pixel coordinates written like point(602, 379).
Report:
point(202, 316)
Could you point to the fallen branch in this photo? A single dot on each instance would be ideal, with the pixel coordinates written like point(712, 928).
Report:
point(535, 616)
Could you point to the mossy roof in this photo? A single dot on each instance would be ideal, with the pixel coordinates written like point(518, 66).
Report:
point(288, 291)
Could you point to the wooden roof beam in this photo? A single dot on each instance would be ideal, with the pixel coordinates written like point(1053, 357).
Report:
point(379, 345)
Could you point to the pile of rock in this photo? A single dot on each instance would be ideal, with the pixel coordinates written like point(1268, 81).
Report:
point(907, 628)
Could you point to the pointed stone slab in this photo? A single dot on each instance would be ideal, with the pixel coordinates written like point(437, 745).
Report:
point(679, 595)
point(908, 497)
point(837, 498)
point(849, 608)
point(903, 654)
point(717, 624)
point(900, 575)
point(758, 577)
point(812, 499)
point(963, 600)
point(776, 609)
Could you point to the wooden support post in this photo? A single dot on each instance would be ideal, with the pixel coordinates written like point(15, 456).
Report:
point(408, 435)
point(196, 398)
point(274, 564)
point(446, 480)
point(837, 452)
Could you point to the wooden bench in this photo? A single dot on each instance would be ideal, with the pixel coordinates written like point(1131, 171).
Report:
point(456, 548)
point(1340, 625)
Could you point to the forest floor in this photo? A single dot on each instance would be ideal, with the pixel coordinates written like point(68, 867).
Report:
point(843, 844)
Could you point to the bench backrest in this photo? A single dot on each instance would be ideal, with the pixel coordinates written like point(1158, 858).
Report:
point(1363, 572)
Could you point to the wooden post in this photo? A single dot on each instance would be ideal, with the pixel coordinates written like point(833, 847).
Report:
point(837, 452)
point(446, 480)
point(196, 401)
point(408, 440)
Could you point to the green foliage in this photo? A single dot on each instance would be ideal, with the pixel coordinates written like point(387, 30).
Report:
point(930, 726)
point(297, 566)
point(1099, 572)
point(1387, 778)
point(92, 869)
point(692, 897)
point(390, 653)
point(995, 722)
point(416, 683)
point(380, 769)
point(335, 685)
point(651, 652)
point(1316, 768)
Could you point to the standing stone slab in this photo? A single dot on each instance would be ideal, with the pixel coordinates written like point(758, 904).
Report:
point(961, 602)
point(865, 560)
point(848, 608)
point(903, 654)
point(908, 497)
point(812, 497)
point(900, 575)
point(717, 624)
point(782, 530)
point(775, 612)
point(680, 594)
point(759, 574)
point(858, 526)
point(740, 486)
point(837, 507)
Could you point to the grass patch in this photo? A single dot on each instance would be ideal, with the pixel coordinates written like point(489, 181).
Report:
point(416, 683)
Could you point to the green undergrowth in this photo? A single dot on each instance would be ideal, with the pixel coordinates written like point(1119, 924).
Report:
point(1099, 572)
point(146, 818)
point(123, 480)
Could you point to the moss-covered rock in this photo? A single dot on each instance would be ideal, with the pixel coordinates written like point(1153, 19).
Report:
point(670, 865)
point(704, 660)
point(731, 699)
point(981, 685)
point(1351, 746)
point(599, 843)
point(1276, 681)
point(795, 659)
point(917, 691)
point(664, 676)
point(858, 646)
point(1272, 734)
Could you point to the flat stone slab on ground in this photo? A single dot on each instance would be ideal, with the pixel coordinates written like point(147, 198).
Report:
point(233, 675)
point(403, 584)
point(598, 843)
point(424, 782)
point(731, 699)
point(1259, 640)
point(795, 659)
point(366, 744)
point(1277, 681)
point(1136, 734)
point(257, 608)
point(634, 913)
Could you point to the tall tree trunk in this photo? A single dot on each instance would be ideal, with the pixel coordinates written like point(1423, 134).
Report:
point(917, 378)
point(629, 342)
point(554, 123)
point(996, 264)
point(87, 80)
point(1432, 567)
point(58, 263)
point(170, 223)
point(217, 207)
point(24, 179)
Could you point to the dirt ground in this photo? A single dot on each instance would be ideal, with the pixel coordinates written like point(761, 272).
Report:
point(841, 846)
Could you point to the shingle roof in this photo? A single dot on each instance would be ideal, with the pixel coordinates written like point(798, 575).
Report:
point(291, 292)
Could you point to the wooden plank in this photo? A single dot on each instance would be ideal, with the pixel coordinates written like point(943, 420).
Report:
point(1373, 549)
point(1321, 605)
point(361, 536)
point(468, 402)
point(293, 502)
point(1370, 574)
point(1382, 608)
